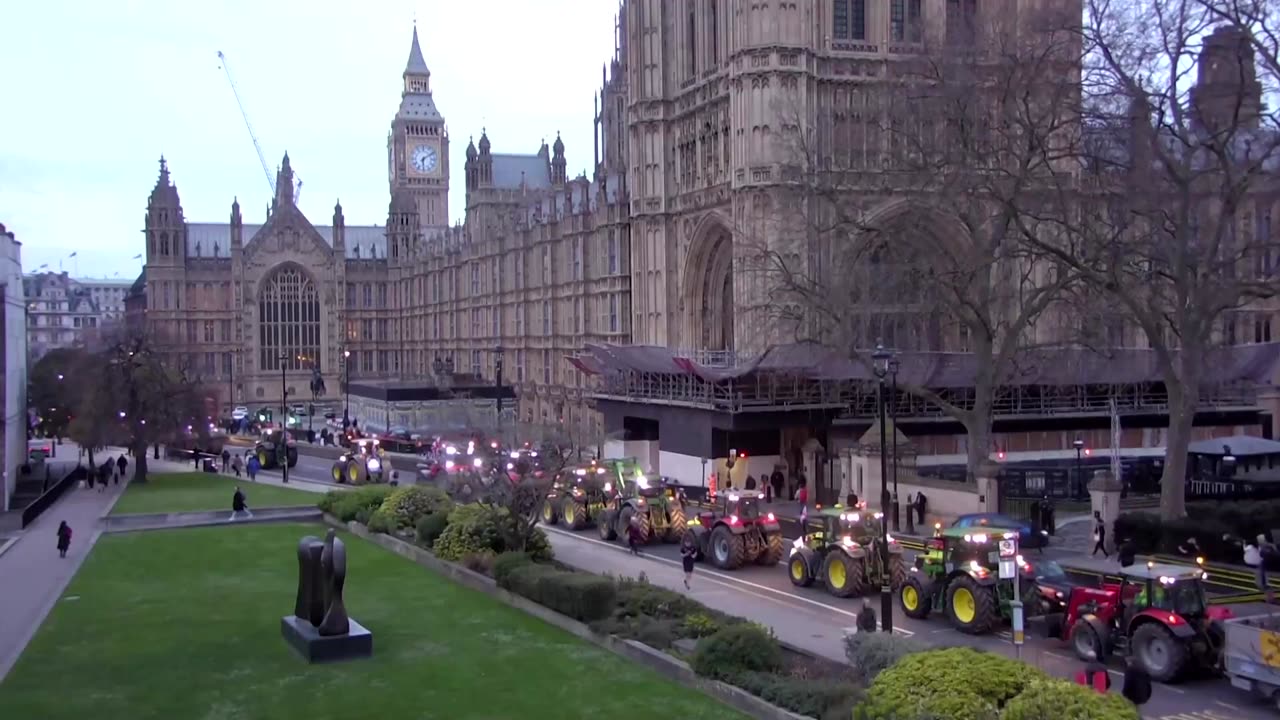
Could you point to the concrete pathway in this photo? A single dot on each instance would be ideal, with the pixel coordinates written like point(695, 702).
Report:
point(32, 574)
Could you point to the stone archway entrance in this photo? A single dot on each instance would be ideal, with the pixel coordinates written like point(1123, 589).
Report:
point(708, 289)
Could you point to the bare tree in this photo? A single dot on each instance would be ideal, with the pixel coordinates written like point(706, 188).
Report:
point(1179, 175)
point(910, 203)
point(137, 396)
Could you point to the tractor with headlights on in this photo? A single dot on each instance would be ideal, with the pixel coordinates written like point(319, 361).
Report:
point(365, 462)
point(579, 496)
point(846, 553)
point(276, 447)
point(1157, 615)
point(657, 508)
point(736, 532)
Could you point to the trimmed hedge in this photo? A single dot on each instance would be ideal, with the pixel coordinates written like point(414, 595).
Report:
point(735, 649)
point(1053, 699)
point(407, 505)
point(581, 596)
point(959, 683)
point(347, 504)
point(815, 698)
point(1207, 523)
point(507, 562)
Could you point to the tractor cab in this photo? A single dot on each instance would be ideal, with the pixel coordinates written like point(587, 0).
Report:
point(741, 508)
point(852, 527)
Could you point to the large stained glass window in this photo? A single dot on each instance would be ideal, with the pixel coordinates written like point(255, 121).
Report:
point(289, 321)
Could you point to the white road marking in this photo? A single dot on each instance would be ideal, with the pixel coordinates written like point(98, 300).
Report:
point(1228, 706)
point(728, 580)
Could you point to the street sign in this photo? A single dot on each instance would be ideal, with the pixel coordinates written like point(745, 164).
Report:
point(1008, 571)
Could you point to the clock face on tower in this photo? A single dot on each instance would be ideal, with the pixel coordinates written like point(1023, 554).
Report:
point(424, 159)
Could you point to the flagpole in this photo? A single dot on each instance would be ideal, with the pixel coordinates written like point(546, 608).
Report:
point(1115, 440)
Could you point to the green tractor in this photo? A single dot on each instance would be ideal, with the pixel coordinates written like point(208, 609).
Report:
point(846, 553)
point(959, 575)
point(579, 496)
point(632, 494)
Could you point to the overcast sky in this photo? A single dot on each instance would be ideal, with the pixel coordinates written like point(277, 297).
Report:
point(96, 92)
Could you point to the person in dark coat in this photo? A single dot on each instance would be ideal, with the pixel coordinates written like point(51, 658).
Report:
point(64, 538)
point(123, 465)
point(922, 506)
point(751, 482)
point(104, 473)
point(226, 459)
point(777, 480)
point(238, 505)
point(633, 536)
point(1099, 535)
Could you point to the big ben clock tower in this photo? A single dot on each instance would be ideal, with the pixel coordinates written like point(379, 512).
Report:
point(418, 146)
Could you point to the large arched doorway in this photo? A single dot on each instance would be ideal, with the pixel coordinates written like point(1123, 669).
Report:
point(709, 308)
point(288, 321)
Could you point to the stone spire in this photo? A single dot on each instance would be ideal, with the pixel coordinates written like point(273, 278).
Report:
point(284, 184)
point(416, 65)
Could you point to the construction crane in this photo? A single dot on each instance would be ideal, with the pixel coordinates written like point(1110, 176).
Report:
point(266, 169)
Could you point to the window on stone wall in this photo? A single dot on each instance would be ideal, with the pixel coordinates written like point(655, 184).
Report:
point(519, 272)
point(226, 331)
point(288, 320)
point(382, 295)
point(368, 295)
point(546, 318)
point(208, 331)
point(962, 21)
point(475, 279)
point(191, 331)
point(475, 363)
point(546, 367)
point(546, 265)
point(905, 21)
point(351, 295)
point(849, 20)
point(495, 320)
point(613, 312)
point(613, 252)
point(475, 323)
point(519, 366)
point(577, 258)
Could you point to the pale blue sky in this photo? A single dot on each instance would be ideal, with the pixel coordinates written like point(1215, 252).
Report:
point(95, 92)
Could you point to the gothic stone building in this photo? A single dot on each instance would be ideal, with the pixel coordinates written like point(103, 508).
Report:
point(540, 266)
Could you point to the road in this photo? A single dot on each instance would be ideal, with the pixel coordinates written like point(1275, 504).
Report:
point(811, 619)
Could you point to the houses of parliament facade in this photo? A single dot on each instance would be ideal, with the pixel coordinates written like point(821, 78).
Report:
point(643, 251)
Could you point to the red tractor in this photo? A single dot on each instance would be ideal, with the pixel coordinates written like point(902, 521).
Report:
point(736, 532)
point(1156, 614)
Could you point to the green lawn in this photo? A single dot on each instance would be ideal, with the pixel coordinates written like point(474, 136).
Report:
point(186, 624)
point(186, 492)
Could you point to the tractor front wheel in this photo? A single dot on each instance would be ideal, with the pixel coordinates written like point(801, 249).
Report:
point(843, 575)
point(897, 572)
point(1159, 652)
point(972, 606)
point(264, 459)
point(337, 473)
point(728, 551)
point(772, 554)
point(1085, 642)
point(676, 523)
point(915, 599)
point(799, 571)
point(608, 532)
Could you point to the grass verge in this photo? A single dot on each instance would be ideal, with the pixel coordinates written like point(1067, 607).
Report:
point(193, 492)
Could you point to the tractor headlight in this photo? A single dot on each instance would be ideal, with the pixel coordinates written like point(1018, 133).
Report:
point(342, 458)
point(477, 463)
point(374, 465)
point(642, 481)
point(448, 464)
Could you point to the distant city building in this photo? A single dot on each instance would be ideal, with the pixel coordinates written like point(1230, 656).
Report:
point(13, 391)
point(62, 309)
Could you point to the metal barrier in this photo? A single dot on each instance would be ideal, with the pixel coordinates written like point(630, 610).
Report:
point(50, 496)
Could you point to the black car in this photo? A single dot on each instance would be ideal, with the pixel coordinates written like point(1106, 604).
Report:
point(1049, 581)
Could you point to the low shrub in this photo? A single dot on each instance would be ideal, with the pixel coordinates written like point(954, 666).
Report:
point(820, 698)
point(430, 527)
point(471, 529)
point(638, 597)
point(364, 514)
point(538, 546)
point(581, 596)
point(481, 562)
point(506, 562)
point(346, 504)
point(660, 633)
point(872, 653)
point(700, 625)
point(381, 521)
point(1050, 699)
point(735, 649)
point(959, 683)
point(407, 505)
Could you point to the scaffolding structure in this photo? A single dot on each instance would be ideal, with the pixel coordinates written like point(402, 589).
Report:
point(645, 375)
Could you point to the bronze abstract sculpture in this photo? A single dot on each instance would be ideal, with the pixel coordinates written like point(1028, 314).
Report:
point(319, 627)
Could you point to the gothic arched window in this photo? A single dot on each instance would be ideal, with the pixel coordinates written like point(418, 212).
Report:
point(289, 321)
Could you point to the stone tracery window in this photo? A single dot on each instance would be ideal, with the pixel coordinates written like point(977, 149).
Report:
point(289, 321)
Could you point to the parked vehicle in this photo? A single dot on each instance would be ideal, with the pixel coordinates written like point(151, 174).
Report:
point(736, 532)
point(1157, 615)
point(846, 553)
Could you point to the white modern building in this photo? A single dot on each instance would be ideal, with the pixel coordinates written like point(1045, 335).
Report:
point(60, 309)
point(108, 294)
point(13, 391)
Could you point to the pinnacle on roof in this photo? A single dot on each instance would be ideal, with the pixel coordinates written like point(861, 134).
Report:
point(416, 64)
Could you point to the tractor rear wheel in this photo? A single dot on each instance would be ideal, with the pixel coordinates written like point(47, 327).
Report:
point(914, 598)
point(676, 523)
point(264, 459)
point(897, 572)
point(1158, 652)
point(799, 571)
point(646, 527)
point(549, 514)
point(972, 607)
point(728, 551)
point(605, 524)
point(844, 575)
point(772, 554)
point(337, 473)
point(353, 472)
point(575, 514)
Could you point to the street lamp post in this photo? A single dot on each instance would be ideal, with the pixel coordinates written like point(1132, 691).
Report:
point(282, 448)
point(882, 359)
point(1078, 444)
point(346, 389)
point(497, 385)
point(893, 398)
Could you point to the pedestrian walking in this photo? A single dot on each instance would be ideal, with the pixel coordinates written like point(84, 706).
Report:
point(238, 505)
point(866, 621)
point(252, 467)
point(104, 473)
point(123, 465)
point(687, 553)
point(776, 480)
point(226, 459)
point(1099, 535)
point(922, 505)
point(633, 535)
point(64, 539)
point(237, 465)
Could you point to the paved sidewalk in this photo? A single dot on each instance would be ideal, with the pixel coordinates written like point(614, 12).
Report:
point(34, 575)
